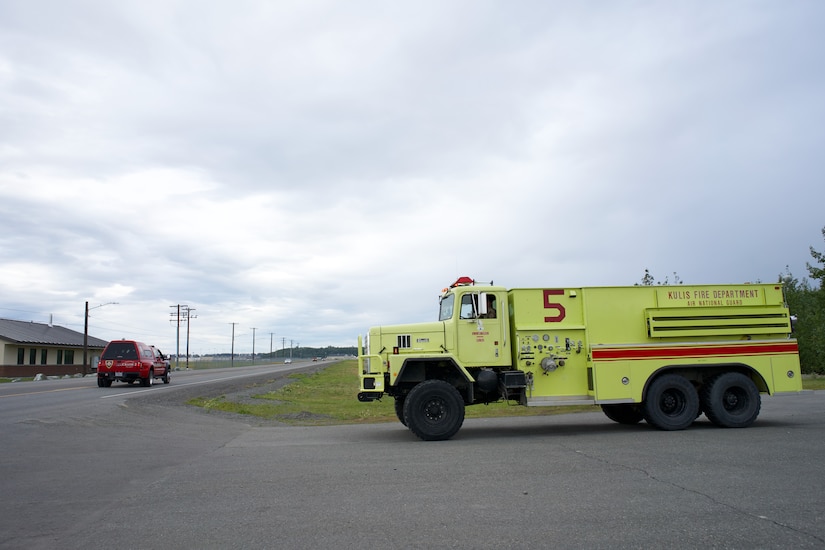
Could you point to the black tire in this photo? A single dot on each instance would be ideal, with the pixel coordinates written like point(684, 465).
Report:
point(624, 413)
point(399, 409)
point(100, 382)
point(146, 382)
point(434, 410)
point(731, 400)
point(165, 376)
point(672, 403)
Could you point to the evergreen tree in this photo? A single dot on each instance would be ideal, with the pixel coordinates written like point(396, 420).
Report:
point(818, 273)
point(807, 305)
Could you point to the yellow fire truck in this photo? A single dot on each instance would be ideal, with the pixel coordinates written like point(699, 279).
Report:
point(663, 354)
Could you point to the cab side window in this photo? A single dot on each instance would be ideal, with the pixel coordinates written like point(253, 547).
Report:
point(468, 306)
point(491, 307)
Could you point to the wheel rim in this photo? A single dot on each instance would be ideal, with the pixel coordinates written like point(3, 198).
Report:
point(672, 403)
point(734, 400)
point(435, 410)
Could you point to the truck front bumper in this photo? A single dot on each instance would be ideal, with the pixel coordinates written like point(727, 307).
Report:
point(366, 396)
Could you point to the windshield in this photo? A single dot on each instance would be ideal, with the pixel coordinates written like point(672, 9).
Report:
point(446, 311)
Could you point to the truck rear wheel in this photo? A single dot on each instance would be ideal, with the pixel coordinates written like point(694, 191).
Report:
point(434, 410)
point(672, 403)
point(146, 382)
point(624, 413)
point(731, 400)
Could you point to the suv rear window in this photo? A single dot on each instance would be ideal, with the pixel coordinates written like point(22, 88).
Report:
point(120, 350)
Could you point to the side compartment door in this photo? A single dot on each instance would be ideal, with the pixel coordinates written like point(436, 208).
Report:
point(481, 331)
point(552, 343)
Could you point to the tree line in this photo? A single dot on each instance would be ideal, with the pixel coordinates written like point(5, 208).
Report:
point(806, 302)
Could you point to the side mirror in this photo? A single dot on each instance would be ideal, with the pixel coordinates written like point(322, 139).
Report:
point(482, 304)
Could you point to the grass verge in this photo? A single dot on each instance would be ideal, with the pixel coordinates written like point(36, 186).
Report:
point(814, 382)
point(328, 397)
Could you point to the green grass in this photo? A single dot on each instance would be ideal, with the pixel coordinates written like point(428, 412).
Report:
point(328, 397)
point(810, 383)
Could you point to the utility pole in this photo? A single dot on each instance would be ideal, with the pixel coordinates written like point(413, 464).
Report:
point(177, 317)
point(253, 344)
point(86, 339)
point(189, 316)
point(232, 360)
point(271, 357)
point(86, 333)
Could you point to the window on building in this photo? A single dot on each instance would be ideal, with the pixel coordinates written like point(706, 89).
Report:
point(32, 356)
point(69, 357)
point(60, 357)
point(21, 356)
point(44, 354)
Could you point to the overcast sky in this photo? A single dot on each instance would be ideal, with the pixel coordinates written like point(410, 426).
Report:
point(313, 168)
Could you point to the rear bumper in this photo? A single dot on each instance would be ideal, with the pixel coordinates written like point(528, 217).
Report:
point(113, 376)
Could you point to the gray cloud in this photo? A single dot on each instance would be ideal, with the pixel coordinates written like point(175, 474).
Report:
point(313, 168)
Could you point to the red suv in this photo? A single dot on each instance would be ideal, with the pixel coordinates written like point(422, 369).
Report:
point(129, 361)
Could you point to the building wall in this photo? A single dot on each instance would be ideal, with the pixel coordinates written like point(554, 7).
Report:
point(9, 366)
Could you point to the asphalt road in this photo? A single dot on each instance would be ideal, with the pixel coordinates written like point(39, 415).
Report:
point(86, 467)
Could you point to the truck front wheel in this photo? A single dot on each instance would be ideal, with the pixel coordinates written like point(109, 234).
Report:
point(672, 403)
point(731, 400)
point(434, 410)
point(399, 409)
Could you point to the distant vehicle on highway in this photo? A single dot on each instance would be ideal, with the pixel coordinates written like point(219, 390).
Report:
point(287, 361)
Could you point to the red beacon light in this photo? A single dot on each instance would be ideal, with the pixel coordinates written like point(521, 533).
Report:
point(466, 281)
point(463, 281)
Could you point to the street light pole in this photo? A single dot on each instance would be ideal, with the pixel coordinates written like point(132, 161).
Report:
point(85, 338)
point(86, 333)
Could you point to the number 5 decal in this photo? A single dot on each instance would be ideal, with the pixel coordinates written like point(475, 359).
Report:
point(554, 305)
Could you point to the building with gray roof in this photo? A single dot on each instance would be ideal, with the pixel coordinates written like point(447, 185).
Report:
point(28, 348)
